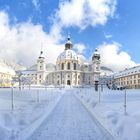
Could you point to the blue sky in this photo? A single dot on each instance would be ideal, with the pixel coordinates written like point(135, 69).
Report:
point(121, 26)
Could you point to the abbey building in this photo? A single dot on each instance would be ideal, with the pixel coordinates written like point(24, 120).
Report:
point(68, 70)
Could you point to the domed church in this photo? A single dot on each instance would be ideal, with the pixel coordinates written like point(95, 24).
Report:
point(69, 70)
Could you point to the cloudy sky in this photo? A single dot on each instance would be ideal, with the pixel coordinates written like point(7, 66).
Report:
point(110, 25)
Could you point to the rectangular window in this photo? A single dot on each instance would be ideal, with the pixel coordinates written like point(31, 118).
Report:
point(62, 66)
point(74, 66)
point(68, 66)
point(134, 76)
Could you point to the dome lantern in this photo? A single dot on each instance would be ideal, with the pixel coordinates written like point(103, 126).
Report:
point(68, 44)
point(96, 55)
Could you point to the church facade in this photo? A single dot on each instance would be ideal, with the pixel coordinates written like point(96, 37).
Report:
point(69, 69)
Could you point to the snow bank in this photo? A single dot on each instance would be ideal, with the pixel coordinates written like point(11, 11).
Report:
point(109, 111)
point(31, 107)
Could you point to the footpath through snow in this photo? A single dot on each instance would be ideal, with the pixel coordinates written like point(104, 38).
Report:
point(69, 121)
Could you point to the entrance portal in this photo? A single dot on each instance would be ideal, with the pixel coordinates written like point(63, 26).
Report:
point(68, 82)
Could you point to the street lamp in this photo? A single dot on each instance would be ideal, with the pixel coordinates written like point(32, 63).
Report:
point(125, 113)
point(99, 94)
point(12, 94)
point(97, 87)
point(125, 96)
point(37, 96)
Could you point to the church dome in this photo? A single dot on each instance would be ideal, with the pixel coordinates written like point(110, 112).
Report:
point(68, 55)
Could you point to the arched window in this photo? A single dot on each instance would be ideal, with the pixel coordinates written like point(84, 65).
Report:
point(62, 66)
point(68, 66)
point(74, 66)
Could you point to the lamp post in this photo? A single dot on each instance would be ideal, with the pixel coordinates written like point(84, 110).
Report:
point(125, 103)
point(38, 96)
point(12, 95)
point(96, 85)
point(96, 80)
point(102, 86)
point(99, 94)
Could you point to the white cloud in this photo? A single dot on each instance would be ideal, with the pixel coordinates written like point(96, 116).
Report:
point(36, 4)
point(108, 36)
point(112, 57)
point(55, 32)
point(22, 42)
point(80, 48)
point(82, 13)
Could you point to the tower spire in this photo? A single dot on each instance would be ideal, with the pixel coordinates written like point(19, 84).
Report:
point(41, 46)
point(41, 52)
point(68, 44)
point(68, 36)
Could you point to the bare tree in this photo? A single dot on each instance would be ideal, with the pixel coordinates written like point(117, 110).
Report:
point(23, 81)
point(19, 78)
point(27, 81)
point(1, 82)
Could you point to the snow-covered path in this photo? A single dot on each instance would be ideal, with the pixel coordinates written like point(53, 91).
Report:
point(69, 121)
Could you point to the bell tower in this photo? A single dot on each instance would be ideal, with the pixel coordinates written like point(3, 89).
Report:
point(41, 62)
point(41, 68)
point(96, 61)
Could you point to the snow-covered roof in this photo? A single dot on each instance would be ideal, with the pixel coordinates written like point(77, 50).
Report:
point(68, 54)
point(106, 71)
point(29, 72)
point(50, 67)
point(68, 42)
point(5, 69)
point(96, 52)
point(130, 71)
point(33, 67)
point(86, 63)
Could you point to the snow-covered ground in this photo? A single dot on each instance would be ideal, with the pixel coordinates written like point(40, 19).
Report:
point(109, 111)
point(40, 113)
point(30, 108)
